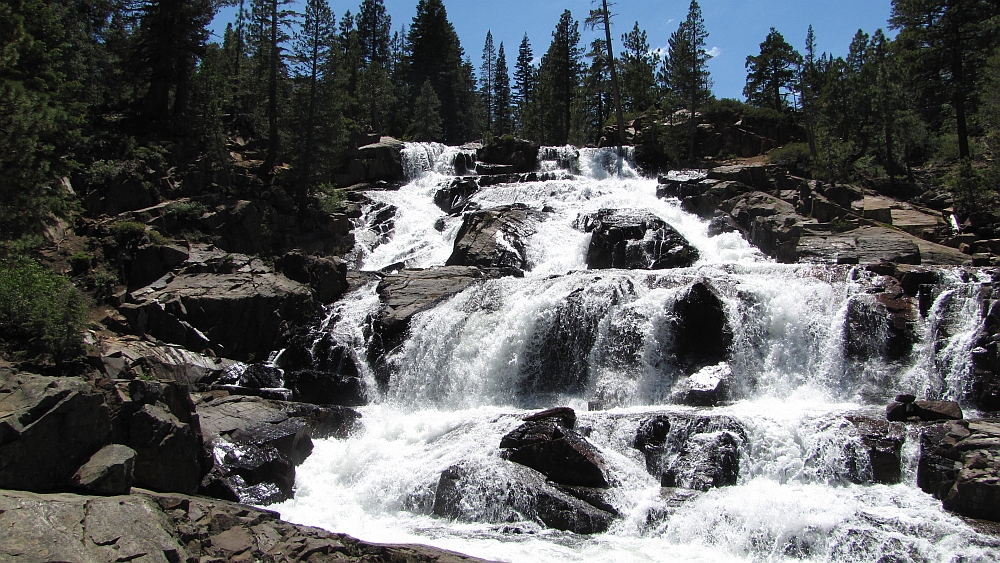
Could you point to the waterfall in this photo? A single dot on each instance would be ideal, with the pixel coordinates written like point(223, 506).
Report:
point(806, 354)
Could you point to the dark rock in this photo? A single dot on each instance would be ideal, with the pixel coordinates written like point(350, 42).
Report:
point(691, 452)
point(508, 492)
point(700, 328)
point(722, 223)
point(455, 198)
point(926, 411)
point(152, 261)
point(884, 444)
point(709, 386)
point(241, 315)
point(326, 276)
point(411, 291)
point(255, 444)
point(327, 388)
point(755, 176)
point(128, 358)
point(108, 472)
point(880, 326)
point(634, 239)
point(173, 528)
point(519, 154)
point(320, 370)
point(159, 422)
point(495, 238)
point(770, 224)
point(49, 427)
point(559, 453)
point(906, 398)
point(379, 161)
point(258, 376)
point(959, 464)
point(563, 415)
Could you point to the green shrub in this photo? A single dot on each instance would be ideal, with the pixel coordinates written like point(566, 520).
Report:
point(156, 238)
point(81, 262)
point(104, 283)
point(187, 210)
point(42, 314)
point(794, 156)
point(125, 231)
point(27, 245)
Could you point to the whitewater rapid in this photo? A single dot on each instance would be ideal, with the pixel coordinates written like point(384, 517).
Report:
point(457, 389)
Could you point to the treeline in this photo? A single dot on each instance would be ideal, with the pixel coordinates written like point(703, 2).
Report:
point(134, 92)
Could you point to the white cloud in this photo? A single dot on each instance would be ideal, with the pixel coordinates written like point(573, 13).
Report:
point(714, 52)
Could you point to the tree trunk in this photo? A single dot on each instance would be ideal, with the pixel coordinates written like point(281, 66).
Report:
point(614, 84)
point(272, 99)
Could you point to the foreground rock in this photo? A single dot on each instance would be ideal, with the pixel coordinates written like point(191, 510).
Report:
point(108, 472)
point(254, 444)
point(960, 464)
point(700, 328)
point(49, 427)
point(506, 492)
point(923, 411)
point(170, 528)
point(557, 451)
point(634, 239)
point(496, 238)
point(129, 357)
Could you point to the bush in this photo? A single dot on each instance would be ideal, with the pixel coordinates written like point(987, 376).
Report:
point(794, 156)
point(42, 314)
point(81, 262)
point(125, 231)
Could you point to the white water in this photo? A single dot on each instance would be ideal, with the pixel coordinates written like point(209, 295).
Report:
point(459, 386)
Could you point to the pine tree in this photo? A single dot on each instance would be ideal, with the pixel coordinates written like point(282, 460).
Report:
point(946, 44)
point(559, 77)
point(312, 53)
point(374, 36)
point(487, 77)
point(597, 86)
point(771, 74)
point(686, 68)
point(525, 81)
point(810, 89)
point(501, 96)
point(601, 17)
point(638, 71)
point(426, 115)
point(436, 55)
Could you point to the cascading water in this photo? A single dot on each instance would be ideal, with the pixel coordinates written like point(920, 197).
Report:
point(801, 365)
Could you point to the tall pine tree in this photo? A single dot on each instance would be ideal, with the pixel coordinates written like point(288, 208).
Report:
point(559, 80)
point(771, 74)
point(501, 96)
point(686, 67)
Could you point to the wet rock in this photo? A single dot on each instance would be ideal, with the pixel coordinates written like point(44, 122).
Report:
point(565, 416)
point(455, 198)
point(327, 276)
point(708, 386)
point(883, 441)
point(254, 444)
point(561, 454)
point(507, 492)
point(321, 371)
point(49, 427)
point(496, 238)
point(412, 291)
point(108, 472)
point(241, 315)
point(700, 329)
point(634, 239)
point(880, 325)
point(923, 411)
point(319, 387)
point(170, 528)
point(691, 452)
point(960, 464)
point(519, 154)
point(770, 224)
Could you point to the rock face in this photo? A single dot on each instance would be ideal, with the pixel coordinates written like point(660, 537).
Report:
point(322, 371)
point(520, 155)
point(960, 464)
point(49, 427)
point(691, 452)
point(634, 239)
point(700, 328)
point(884, 444)
point(255, 444)
point(509, 492)
point(708, 386)
point(380, 161)
point(128, 357)
point(170, 528)
point(496, 238)
point(108, 472)
point(159, 422)
point(241, 315)
point(923, 411)
point(556, 451)
point(455, 198)
point(326, 276)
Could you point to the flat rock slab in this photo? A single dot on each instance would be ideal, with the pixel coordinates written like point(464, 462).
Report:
point(865, 245)
point(160, 528)
point(129, 357)
point(411, 291)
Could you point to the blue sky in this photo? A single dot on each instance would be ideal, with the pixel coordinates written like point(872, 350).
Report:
point(736, 27)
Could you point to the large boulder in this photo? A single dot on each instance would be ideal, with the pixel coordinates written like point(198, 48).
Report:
point(49, 427)
point(320, 370)
point(240, 315)
point(558, 452)
point(379, 161)
point(162, 528)
point(520, 155)
point(108, 472)
point(960, 464)
point(326, 276)
point(160, 423)
point(129, 357)
point(923, 411)
point(254, 444)
point(506, 492)
point(634, 239)
point(456, 197)
point(496, 238)
point(883, 441)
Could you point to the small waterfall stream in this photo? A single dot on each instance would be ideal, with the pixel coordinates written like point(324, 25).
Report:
point(799, 368)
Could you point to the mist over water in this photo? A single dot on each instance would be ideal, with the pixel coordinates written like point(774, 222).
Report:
point(474, 365)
